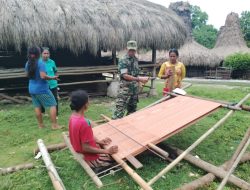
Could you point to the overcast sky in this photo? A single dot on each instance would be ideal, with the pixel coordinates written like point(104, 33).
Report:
point(217, 10)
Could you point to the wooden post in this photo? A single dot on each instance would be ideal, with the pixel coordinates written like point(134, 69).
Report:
point(153, 91)
point(56, 180)
point(196, 143)
point(12, 169)
point(208, 178)
point(79, 158)
point(158, 150)
point(52, 147)
point(235, 163)
point(217, 171)
point(114, 61)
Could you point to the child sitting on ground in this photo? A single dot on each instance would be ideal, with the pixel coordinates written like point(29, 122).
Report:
point(82, 137)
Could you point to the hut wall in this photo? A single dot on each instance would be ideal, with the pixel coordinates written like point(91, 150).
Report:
point(195, 71)
point(62, 57)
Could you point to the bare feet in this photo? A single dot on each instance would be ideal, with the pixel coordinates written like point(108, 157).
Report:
point(40, 126)
point(56, 126)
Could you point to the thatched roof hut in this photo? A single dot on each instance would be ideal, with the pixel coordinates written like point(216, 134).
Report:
point(230, 38)
point(83, 25)
point(191, 53)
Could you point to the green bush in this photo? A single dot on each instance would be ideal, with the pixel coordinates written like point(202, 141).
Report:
point(238, 61)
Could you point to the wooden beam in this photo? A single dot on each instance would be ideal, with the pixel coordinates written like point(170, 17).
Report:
point(236, 158)
point(79, 158)
point(51, 148)
point(208, 178)
point(55, 178)
point(4, 171)
point(217, 171)
point(132, 160)
point(196, 143)
point(11, 98)
point(158, 150)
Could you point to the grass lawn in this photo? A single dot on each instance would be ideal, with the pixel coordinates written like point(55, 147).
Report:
point(19, 133)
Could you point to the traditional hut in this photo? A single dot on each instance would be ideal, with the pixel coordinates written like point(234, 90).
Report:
point(77, 30)
point(230, 38)
point(197, 58)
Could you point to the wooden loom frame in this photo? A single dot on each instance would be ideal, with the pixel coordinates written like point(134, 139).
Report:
point(130, 171)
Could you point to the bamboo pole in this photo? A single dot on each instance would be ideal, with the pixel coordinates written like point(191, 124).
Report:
point(16, 168)
point(223, 104)
point(79, 158)
point(196, 143)
point(132, 173)
point(51, 148)
point(55, 178)
point(217, 171)
point(158, 150)
point(163, 98)
point(235, 163)
point(171, 80)
point(208, 178)
point(153, 91)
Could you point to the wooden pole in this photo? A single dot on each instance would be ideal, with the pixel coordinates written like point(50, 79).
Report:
point(196, 143)
point(11, 98)
point(132, 173)
point(153, 91)
point(208, 178)
point(235, 163)
point(158, 150)
point(56, 180)
point(217, 171)
point(52, 147)
point(79, 158)
point(12, 169)
point(163, 98)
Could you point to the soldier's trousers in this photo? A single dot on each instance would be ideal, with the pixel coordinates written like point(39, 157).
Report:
point(125, 101)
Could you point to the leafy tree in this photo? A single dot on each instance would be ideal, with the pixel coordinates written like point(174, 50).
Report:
point(198, 17)
point(245, 26)
point(238, 61)
point(205, 35)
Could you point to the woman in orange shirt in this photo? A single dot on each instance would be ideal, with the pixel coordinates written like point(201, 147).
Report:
point(166, 70)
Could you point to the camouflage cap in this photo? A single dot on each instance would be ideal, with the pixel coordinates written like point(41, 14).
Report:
point(132, 45)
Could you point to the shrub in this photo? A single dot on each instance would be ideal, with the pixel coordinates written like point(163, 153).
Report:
point(238, 61)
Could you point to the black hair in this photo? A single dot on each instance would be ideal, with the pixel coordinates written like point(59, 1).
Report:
point(45, 48)
point(173, 50)
point(32, 61)
point(78, 99)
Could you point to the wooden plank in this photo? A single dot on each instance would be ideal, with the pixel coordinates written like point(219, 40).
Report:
point(132, 160)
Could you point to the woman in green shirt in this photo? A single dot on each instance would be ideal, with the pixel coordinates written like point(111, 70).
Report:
point(51, 71)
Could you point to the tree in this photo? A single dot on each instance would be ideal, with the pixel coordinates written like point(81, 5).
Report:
point(205, 35)
point(245, 26)
point(198, 17)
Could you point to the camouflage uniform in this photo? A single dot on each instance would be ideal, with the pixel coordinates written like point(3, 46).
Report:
point(128, 93)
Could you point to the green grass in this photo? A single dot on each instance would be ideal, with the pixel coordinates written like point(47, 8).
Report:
point(19, 133)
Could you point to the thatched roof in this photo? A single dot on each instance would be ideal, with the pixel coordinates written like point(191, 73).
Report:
point(81, 25)
point(230, 38)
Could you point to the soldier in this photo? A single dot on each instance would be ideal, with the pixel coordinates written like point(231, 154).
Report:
point(129, 82)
